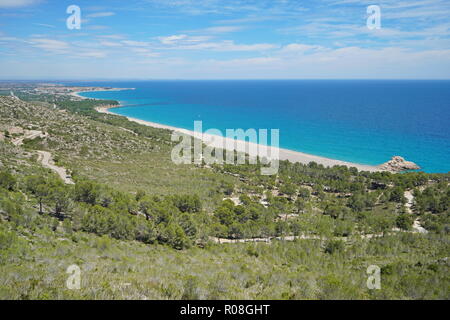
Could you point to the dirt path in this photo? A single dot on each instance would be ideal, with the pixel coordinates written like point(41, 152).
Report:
point(408, 205)
point(32, 134)
point(286, 238)
point(416, 229)
point(47, 161)
point(409, 200)
point(267, 240)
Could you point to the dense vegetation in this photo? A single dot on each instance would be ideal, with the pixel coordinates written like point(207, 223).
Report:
point(141, 227)
point(87, 108)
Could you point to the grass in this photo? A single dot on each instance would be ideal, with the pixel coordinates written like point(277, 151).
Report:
point(34, 267)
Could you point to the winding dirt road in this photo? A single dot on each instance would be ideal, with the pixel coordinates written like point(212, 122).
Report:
point(31, 134)
point(47, 161)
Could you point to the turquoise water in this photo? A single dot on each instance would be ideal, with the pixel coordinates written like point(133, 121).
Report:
point(360, 121)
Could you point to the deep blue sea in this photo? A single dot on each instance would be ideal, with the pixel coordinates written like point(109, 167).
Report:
point(362, 121)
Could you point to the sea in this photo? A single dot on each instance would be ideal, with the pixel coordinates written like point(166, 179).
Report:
point(360, 121)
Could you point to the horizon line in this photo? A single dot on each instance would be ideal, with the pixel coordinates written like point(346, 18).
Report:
point(225, 79)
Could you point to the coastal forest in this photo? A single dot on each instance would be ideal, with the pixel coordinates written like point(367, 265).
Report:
point(138, 226)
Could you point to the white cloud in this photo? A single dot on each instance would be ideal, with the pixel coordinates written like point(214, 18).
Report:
point(182, 39)
point(231, 46)
point(223, 29)
point(112, 36)
point(76, 49)
point(45, 25)
point(96, 27)
point(256, 61)
point(348, 63)
point(249, 19)
point(91, 54)
point(185, 42)
point(50, 45)
point(202, 7)
point(226, 45)
point(218, 29)
point(299, 47)
point(9, 39)
point(307, 47)
point(110, 44)
point(145, 52)
point(133, 43)
point(140, 50)
point(172, 39)
point(17, 3)
point(100, 14)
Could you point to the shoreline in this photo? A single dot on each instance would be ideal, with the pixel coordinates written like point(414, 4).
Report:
point(225, 143)
point(76, 93)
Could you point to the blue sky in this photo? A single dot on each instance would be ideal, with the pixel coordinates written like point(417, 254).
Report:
point(224, 39)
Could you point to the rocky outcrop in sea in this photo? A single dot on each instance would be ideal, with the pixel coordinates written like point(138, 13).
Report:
point(398, 164)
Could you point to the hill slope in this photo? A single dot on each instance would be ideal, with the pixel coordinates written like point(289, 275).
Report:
point(138, 226)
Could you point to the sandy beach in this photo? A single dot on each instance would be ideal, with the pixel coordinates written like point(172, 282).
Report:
point(251, 148)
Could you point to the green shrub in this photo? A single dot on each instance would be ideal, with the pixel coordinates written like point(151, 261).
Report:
point(404, 221)
point(7, 181)
point(334, 246)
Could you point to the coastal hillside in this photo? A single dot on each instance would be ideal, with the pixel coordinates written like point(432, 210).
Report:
point(100, 192)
